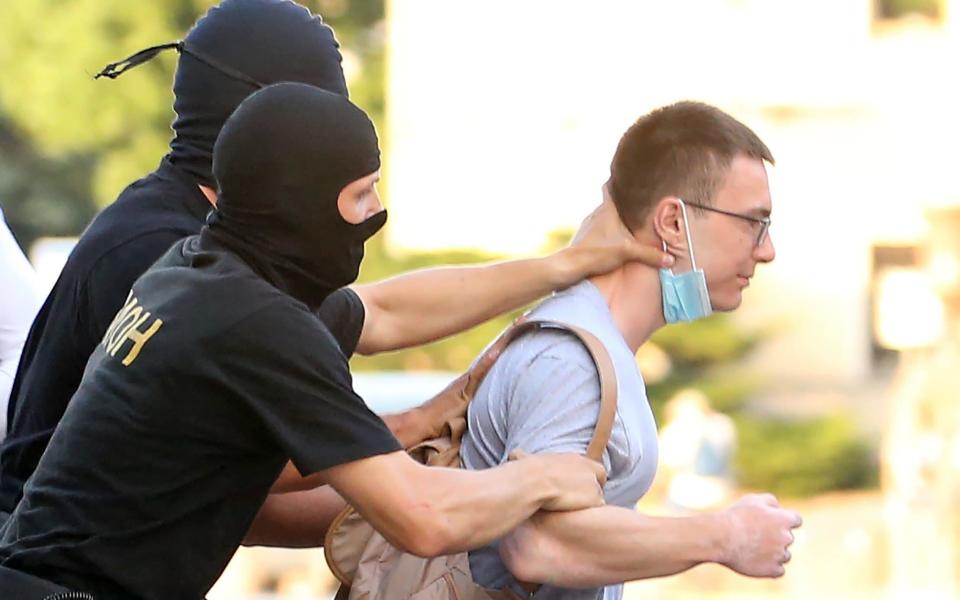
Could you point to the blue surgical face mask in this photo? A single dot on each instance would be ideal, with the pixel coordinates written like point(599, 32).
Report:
point(685, 296)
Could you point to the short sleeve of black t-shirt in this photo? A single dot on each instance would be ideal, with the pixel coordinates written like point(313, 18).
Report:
point(298, 382)
point(343, 314)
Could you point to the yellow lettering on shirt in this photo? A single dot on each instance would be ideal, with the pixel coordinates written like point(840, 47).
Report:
point(139, 338)
point(129, 322)
point(126, 326)
point(121, 314)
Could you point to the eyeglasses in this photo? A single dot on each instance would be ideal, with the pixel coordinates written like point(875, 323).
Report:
point(763, 221)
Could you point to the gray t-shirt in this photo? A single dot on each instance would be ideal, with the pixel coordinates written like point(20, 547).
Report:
point(543, 396)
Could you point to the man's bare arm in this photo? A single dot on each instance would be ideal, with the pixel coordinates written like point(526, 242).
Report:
point(608, 545)
point(426, 305)
point(296, 519)
point(431, 511)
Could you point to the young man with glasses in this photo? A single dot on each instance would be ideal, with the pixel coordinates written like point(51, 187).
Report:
point(692, 180)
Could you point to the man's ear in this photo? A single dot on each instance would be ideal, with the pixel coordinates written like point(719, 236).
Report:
point(669, 227)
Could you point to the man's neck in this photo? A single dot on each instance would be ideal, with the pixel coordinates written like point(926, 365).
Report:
point(210, 194)
point(633, 294)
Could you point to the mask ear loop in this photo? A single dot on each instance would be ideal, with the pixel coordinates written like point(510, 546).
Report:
point(686, 226)
point(116, 69)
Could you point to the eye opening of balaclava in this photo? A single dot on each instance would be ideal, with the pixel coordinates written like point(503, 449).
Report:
point(282, 160)
point(238, 47)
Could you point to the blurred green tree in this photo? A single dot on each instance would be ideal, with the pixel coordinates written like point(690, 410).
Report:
point(895, 9)
point(47, 88)
point(88, 139)
point(41, 195)
point(799, 458)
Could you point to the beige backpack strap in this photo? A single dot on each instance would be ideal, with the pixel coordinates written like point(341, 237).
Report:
point(608, 391)
point(601, 358)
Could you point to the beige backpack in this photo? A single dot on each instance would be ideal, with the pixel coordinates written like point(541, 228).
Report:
point(370, 568)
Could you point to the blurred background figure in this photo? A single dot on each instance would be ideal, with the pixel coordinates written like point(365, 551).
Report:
point(20, 298)
point(697, 446)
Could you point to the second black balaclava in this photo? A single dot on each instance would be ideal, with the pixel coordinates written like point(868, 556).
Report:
point(281, 161)
point(268, 41)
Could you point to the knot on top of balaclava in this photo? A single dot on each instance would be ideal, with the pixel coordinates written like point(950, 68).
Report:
point(282, 160)
point(267, 41)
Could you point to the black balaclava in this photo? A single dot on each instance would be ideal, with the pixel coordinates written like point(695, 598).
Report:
point(236, 48)
point(281, 160)
point(267, 40)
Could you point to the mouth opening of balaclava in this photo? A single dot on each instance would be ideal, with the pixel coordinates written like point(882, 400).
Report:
point(282, 160)
point(237, 47)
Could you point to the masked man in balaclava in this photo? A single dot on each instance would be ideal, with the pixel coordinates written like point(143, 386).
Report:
point(216, 372)
point(235, 49)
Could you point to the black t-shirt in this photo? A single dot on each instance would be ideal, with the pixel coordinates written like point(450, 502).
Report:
point(118, 246)
point(207, 381)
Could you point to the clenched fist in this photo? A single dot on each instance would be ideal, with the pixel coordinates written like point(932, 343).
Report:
point(760, 535)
